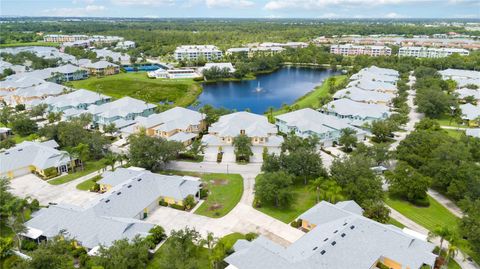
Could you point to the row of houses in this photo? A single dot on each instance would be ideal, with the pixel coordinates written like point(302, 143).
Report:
point(417, 52)
point(97, 39)
point(367, 98)
point(427, 52)
point(338, 237)
point(131, 195)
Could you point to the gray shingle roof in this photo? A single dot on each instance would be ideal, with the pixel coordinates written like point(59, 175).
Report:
point(347, 107)
point(341, 239)
point(253, 124)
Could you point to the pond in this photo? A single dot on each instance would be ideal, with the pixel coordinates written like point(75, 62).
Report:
point(140, 68)
point(280, 87)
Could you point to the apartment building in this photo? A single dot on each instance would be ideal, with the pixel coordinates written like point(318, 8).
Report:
point(195, 52)
point(64, 38)
point(353, 50)
point(425, 52)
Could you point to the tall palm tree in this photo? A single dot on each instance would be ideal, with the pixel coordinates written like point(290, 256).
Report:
point(316, 185)
point(331, 191)
point(452, 249)
point(17, 226)
point(111, 159)
point(442, 232)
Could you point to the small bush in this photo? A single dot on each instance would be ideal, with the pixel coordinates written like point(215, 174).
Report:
point(422, 202)
point(162, 203)
point(257, 203)
point(50, 172)
point(179, 207)
point(29, 245)
point(35, 205)
point(158, 234)
point(79, 252)
point(203, 193)
point(296, 223)
point(251, 236)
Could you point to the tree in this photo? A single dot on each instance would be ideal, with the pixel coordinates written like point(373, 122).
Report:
point(53, 253)
point(470, 223)
point(274, 188)
point(243, 147)
point(111, 159)
point(382, 130)
point(303, 163)
point(212, 114)
point(53, 117)
point(181, 250)
point(123, 254)
point(6, 244)
point(348, 139)
point(23, 126)
point(330, 191)
point(407, 183)
point(197, 148)
point(6, 114)
point(152, 153)
point(442, 232)
point(358, 181)
point(110, 128)
point(376, 210)
point(316, 186)
point(38, 111)
point(157, 234)
point(16, 225)
point(189, 202)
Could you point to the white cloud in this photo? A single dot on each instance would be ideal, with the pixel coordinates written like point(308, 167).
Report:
point(229, 3)
point(317, 4)
point(330, 15)
point(83, 1)
point(393, 15)
point(143, 2)
point(74, 12)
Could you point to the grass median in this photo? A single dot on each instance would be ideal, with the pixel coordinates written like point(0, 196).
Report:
point(89, 167)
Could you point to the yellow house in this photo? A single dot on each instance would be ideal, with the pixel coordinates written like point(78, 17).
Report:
point(41, 158)
point(102, 68)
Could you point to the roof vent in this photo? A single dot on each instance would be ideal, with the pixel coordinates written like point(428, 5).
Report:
point(129, 186)
point(315, 248)
point(324, 240)
point(343, 235)
point(322, 252)
point(20, 149)
point(334, 243)
point(345, 224)
point(107, 201)
point(352, 227)
point(119, 193)
point(139, 179)
point(336, 231)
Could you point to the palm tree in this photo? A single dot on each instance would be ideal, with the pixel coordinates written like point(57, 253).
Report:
point(331, 191)
point(442, 232)
point(18, 228)
point(111, 159)
point(452, 249)
point(316, 185)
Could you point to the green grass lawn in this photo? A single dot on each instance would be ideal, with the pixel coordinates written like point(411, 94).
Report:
point(396, 223)
point(446, 121)
point(19, 139)
point(225, 191)
point(89, 168)
point(230, 239)
point(304, 199)
point(182, 92)
point(311, 98)
point(39, 43)
point(452, 264)
point(431, 217)
point(457, 134)
point(89, 183)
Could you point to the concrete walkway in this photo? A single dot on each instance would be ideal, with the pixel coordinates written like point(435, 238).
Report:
point(447, 203)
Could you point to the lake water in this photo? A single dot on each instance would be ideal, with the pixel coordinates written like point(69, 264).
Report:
point(283, 86)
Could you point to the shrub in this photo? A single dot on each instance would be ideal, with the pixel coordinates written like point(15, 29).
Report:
point(203, 193)
point(251, 236)
point(296, 223)
point(35, 205)
point(424, 202)
point(95, 187)
point(29, 245)
point(189, 202)
point(50, 172)
point(162, 203)
point(77, 252)
point(257, 203)
point(179, 207)
point(158, 234)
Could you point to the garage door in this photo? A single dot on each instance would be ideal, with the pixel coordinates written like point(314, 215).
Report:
point(228, 155)
point(210, 154)
point(257, 155)
point(21, 172)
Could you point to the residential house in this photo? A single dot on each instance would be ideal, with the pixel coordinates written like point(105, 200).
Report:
point(364, 96)
point(41, 158)
point(353, 50)
point(68, 72)
point(102, 68)
point(131, 194)
point(196, 52)
point(126, 108)
point(462, 77)
point(308, 122)
point(339, 237)
point(176, 124)
point(219, 139)
point(371, 85)
point(358, 113)
point(127, 44)
point(465, 93)
point(471, 114)
point(175, 73)
point(220, 66)
point(108, 55)
point(76, 100)
point(36, 93)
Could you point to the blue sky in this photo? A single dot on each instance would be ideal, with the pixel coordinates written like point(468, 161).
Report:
point(246, 8)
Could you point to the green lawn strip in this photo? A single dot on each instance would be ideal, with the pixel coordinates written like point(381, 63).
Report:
point(311, 98)
point(90, 167)
point(304, 199)
point(431, 217)
point(41, 44)
point(19, 139)
point(230, 239)
point(447, 121)
point(182, 92)
point(457, 134)
point(396, 223)
point(225, 191)
point(89, 183)
point(452, 264)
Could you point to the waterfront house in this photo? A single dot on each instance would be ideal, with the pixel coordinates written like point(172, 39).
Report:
point(359, 113)
point(220, 136)
point(338, 237)
point(364, 96)
point(196, 52)
point(308, 122)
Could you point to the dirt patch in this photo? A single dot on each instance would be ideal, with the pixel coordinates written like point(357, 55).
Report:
point(215, 207)
point(217, 182)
